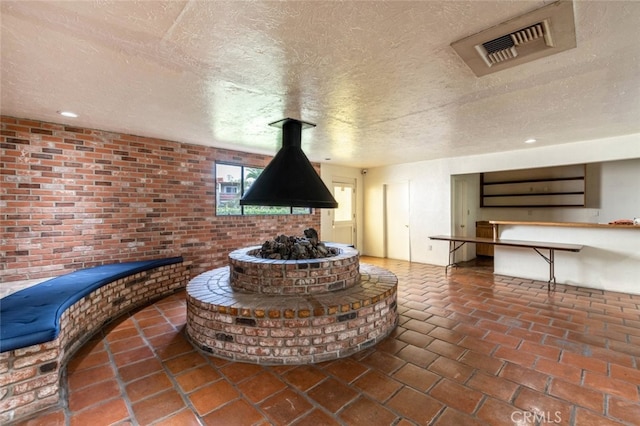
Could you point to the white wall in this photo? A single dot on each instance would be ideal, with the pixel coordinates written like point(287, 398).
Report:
point(610, 194)
point(430, 187)
point(620, 190)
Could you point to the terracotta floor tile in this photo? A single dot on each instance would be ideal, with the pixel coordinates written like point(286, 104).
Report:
point(578, 349)
point(55, 418)
point(418, 356)
point(579, 395)
point(213, 396)
point(417, 315)
point(158, 330)
point(527, 335)
point(469, 331)
point(451, 417)
point(261, 386)
point(178, 321)
point(157, 407)
point(537, 402)
point(152, 321)
point(364, 411)
point(589, 418)
point(146, 312)
point(584, 362)
point(236, 413)
point(611, 386)
point(197, 377)
point(95, 345)
point(304, 377)
point(110, 412)
point(492, 385)
point(478, 345)
point(126, 344)
point(540, 350)
point(515, 356)
point(566, 372)
point(177, 346)
point(631, 375)
point(316, 418)
point(120, 323)
point(94, 394)
point(383, 362)
point(139, 369)
point(451, 369)
point(173, 309)
point(345, 369)
point(79, 379)
point(499, 413)
point(447, 335)
point(393, 346)
point(505, 341)
point(418, 326)
point(85, 361)
point(332, 394)
point(124, 333)
point(377, 385)
point(286, 406)
point(416, 377)
point(456, 396)
point(184, 362)
point(129, 357)
point(611, 356)
point(415, 338)
point(185, 417)
point(524, 376)
point(238, 371)
point(628, 411)
point(147, 386)
point(482, 362)
point(415, 406)
point(163, 340)
point(446, 349)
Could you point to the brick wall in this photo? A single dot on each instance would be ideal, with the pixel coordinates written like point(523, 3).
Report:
point(72, 198)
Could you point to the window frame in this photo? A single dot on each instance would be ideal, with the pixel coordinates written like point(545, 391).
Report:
point(292, 210)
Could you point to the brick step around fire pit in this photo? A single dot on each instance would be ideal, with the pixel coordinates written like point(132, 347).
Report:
point(298, 328)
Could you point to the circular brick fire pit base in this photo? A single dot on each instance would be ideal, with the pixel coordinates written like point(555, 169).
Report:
point(292, 328)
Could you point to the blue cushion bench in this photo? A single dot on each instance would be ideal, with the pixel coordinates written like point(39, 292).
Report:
point(42, 326)
point(32, 315)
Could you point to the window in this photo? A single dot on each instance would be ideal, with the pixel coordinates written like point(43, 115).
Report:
point(231, 183)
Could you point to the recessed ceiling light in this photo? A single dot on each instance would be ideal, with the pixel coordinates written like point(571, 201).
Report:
point(68, 114)
point(530, 140)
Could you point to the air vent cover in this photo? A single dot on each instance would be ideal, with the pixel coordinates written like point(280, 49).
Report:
point(540, 33)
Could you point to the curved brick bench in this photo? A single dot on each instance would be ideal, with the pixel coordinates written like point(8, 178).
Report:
point(43, 325)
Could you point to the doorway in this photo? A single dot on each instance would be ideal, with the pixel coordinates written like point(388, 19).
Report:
point(344, 217)
point(464, 211)
point(397, 235)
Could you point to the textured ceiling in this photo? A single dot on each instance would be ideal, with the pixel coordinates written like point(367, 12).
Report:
point(378, 78)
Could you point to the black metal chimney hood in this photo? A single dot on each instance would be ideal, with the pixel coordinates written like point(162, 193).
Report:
point(289, 179)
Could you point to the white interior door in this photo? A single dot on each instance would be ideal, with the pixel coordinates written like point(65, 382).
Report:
point(344, 217)
point(396, 221)
point(460, 210)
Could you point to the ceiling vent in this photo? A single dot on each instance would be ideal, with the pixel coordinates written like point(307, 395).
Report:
point(543, 32)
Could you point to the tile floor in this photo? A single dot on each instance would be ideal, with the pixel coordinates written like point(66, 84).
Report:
point(471, 348)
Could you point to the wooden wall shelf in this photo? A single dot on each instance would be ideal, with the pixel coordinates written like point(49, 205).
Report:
point(562, 186)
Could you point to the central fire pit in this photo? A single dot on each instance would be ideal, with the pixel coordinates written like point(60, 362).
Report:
point(276, 311)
